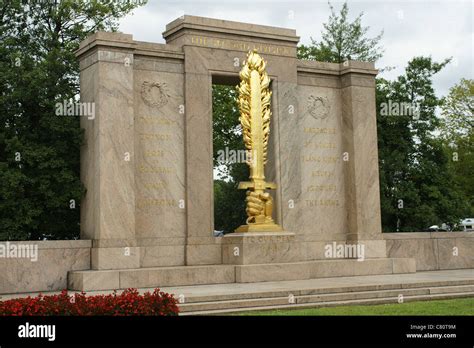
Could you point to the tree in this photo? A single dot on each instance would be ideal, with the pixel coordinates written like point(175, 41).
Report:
point(40, 189)
point(343, 40)
point(416, 182)
point(458, 138)
point(229, 202)
point(458, 110)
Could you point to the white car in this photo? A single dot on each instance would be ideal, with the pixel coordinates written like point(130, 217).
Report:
point(467, 224)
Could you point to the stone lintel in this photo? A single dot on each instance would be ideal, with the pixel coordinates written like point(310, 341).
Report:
point(194, 24)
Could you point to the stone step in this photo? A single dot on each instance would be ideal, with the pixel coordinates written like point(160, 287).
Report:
point(297, 292)
point(334, 297)
point(451, 289)
point(222, 274)
point(370, 301)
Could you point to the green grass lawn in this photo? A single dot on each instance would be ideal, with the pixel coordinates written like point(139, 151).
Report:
point(463, 306)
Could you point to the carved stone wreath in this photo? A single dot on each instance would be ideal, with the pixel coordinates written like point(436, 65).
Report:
point(318, 107)
point(155, 94)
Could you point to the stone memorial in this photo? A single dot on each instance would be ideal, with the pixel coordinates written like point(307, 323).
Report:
point(148, 169)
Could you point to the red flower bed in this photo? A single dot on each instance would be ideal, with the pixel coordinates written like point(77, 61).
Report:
point(129, 302)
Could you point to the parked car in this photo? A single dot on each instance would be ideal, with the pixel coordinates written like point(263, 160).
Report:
point(467, 224)
point(436, 228)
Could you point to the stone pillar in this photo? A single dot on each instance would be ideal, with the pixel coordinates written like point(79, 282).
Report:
point(107, 157)
point(361, 172)
point(201, 246)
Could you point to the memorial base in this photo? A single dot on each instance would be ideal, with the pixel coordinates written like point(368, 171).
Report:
point(260, 247)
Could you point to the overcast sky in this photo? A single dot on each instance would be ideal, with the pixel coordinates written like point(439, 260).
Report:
point(441, 29)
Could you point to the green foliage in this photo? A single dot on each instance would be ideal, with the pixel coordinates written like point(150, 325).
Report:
point(229, 202)
point(226, 125)
point(343, 40)
point(417, 185)
point(458, 135)
point(39, 151)
point(229, 205)
point(458, 111)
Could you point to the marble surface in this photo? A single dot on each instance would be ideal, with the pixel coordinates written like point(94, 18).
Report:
point(433, 251)
point(159, 155)
point(322, 204)
point(49, 272)
point(257, 248)
point(108, 209)
point(361, 176)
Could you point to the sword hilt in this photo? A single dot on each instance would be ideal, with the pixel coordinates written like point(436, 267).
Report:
point(262, 185)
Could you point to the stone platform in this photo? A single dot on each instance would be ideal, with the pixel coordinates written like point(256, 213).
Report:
point(224, 274)
point(322, 292)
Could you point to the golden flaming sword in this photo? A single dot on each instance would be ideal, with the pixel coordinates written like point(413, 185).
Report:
point(255, 113)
